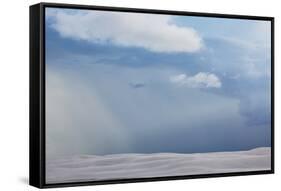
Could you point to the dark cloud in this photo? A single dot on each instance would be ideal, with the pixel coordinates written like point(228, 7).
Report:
point(137, 85)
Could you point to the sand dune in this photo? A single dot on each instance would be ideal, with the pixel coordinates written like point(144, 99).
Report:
point(121, 166)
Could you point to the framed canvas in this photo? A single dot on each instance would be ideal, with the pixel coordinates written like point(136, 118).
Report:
point(122, 95)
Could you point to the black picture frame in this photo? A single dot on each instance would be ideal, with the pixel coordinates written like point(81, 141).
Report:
point(37, 95)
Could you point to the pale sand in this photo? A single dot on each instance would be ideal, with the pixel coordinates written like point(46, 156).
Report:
point(122, 166)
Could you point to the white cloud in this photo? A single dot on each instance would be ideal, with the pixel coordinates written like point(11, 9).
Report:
point(156, 33)
point(201, 80)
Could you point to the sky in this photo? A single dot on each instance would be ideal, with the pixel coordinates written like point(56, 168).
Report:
point(120, 82)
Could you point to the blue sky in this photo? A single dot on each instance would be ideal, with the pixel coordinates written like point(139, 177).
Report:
point(144, 83)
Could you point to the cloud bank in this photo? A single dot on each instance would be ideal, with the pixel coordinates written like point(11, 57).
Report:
point(200, 80)
point(156, 33)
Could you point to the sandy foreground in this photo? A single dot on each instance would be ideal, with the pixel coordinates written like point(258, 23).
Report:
point(122, 166)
